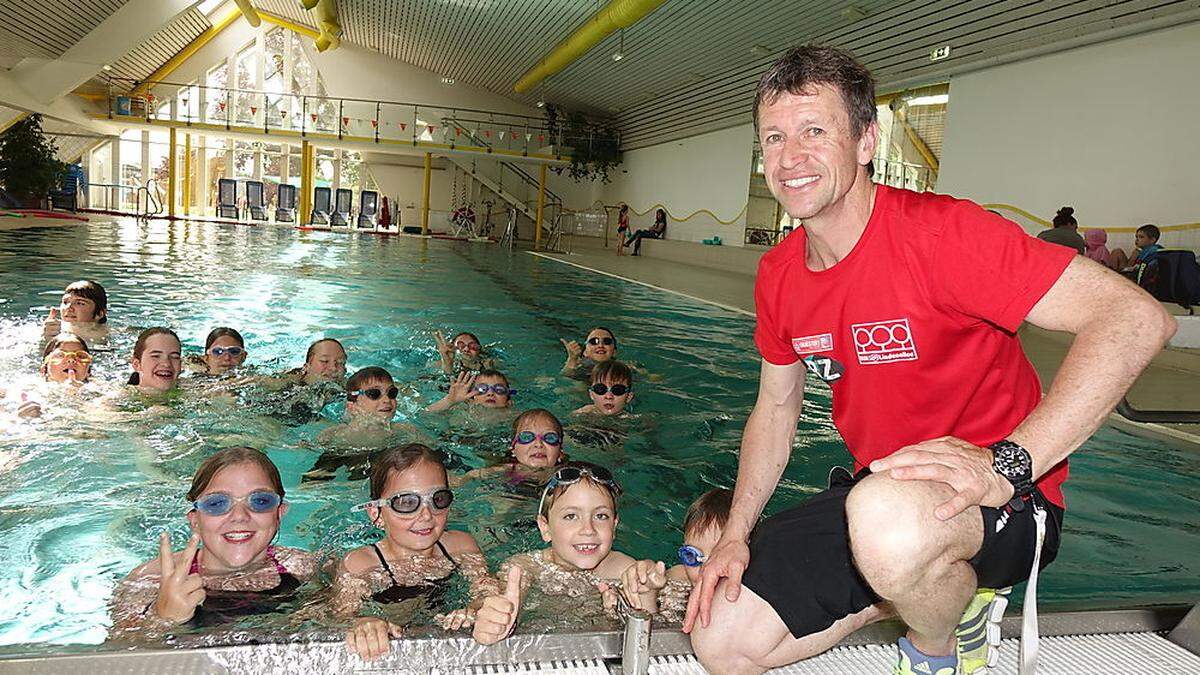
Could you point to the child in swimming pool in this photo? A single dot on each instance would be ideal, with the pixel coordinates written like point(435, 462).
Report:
point(82, 311)
point(224, 350)
point(599, 346)
point(463, 353)
point(536, 447)
point(371, 396)
point(577, 516)
point(229, 568)
point(65, 360)
point(702, 526)
point(610, 387)
point(156, 361)
point(487, 389)
point(416, 558)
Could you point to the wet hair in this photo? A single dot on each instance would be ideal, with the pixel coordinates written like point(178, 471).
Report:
point(401, 459)
point(560, 490)
point(711, 508)
point(488, 372)
point(231, 456)
point(802, 68)
point(1151, 231)
point(140, 346)
point(611, 371)
point(537, 413)
point(365, 375)
point(94, 292)
point(606, 330)
point(62, 339)
point(313, 348)
point(1064, 217)
point(470, 335)
point(220, 332)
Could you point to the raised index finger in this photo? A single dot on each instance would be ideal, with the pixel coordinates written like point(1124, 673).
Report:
point(189, 554)
point(166, 559)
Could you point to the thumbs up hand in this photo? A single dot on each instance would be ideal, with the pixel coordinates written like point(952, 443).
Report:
point(52, 325)
point(497, 617)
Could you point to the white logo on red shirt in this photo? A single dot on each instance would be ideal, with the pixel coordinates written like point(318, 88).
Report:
point(811, 344)
point(884, 342)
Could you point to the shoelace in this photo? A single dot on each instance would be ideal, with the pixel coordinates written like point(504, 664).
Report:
point(1029, 621)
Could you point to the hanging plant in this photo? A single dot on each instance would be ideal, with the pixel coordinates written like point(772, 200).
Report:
point(595, 147)
point(29, 166)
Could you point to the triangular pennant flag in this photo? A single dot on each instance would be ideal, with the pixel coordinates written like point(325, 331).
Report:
point(403, 126)
point(541, 138)
point(345, 121)
point(253, 110)
point(487, 132)
point(374, 124)
point(514, 135)
point(527, 137)
point(432, 128)
point(314, 117)
point(221, 105)
point(283, 113)
point(458, 131)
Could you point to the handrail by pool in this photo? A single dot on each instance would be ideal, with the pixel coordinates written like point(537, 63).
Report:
point(1126, 409)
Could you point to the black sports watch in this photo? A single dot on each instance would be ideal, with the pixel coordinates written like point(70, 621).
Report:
point(1014, 463)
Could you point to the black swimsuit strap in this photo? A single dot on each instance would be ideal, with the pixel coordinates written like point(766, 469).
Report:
point(447, 554)
point(383, 562)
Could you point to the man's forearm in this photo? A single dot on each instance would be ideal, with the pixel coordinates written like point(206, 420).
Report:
point(1082, 394)
point(766, 447)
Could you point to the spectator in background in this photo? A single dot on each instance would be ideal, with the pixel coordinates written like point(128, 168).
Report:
point(657, 231)
point(1145, 249)
point(622, 228)
point(1065, 231)
point(1095, 240)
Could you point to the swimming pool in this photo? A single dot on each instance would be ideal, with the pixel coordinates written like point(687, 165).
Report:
point(81, 502)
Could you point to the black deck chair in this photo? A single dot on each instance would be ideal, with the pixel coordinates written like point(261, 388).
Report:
point(285, 204)
point(321, 201)
point(368, 208)
point(255, 207)
point(341, 207)
point(227, 198)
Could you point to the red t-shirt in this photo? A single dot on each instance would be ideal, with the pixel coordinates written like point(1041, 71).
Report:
point(922, 315)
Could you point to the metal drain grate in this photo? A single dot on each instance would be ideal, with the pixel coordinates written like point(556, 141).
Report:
point(1143, 653)
point(581, 667)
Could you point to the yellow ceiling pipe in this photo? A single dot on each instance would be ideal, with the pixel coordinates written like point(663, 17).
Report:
point(288, 24)
point(616, 15)
point(249, 12)
point(325, 12)
point(188, 51)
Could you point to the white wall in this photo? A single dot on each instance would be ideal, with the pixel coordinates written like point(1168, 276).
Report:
point(401, 179)
point(1110, 129)
point(702, 177)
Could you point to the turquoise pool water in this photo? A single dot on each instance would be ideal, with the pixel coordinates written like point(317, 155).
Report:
point(81, 501)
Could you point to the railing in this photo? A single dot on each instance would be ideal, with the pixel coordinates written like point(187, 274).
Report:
point(906, 175)
point(1157, 416)
point(145, 202)
point(375, 120)
point(758, 236)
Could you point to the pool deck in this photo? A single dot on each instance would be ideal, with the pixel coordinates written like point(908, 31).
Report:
point(1172, 382)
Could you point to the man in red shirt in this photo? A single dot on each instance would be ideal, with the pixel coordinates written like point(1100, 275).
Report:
point(907, 306)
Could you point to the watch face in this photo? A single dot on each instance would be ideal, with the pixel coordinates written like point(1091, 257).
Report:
point(1012, 461)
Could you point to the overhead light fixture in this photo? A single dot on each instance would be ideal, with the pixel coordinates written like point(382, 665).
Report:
point(447, 81)
point(760, 50)
point(106, 67)
point(934, 99)
point(620, 53)
point(853, 13)
point(541, 104)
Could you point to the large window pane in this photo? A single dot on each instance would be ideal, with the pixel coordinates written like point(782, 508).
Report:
point(216, 81)
point(247, 76)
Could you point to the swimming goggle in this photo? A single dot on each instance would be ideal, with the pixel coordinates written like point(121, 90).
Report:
point(80, 356)
point(219, 503)
point(607, 342)
point(527, 437)
point(569, 475)
point(691, 556)
point(406, 503)
point(374, 393)
point(463, 345)
point(500, 389)
point(601, 389)
point(232, 351)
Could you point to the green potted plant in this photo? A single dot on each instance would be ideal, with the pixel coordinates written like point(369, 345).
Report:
point(29, 167)
point(595, 147)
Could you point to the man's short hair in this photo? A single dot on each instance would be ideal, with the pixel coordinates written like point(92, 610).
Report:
point(1151, 231)
point(802, 68)
point(94, 292)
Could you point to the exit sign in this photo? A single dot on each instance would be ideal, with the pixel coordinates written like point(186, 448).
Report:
point(940, 53)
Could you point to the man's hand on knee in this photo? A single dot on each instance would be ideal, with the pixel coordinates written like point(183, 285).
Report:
point(966, 468)
point(728, 561)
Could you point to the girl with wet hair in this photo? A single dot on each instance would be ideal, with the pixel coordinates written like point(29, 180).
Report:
point(414, 563)
point(156, 361)
point(224, 350)
point(229, 568)
point(536, 447)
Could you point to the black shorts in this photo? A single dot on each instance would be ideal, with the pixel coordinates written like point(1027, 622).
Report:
point(800, 560)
